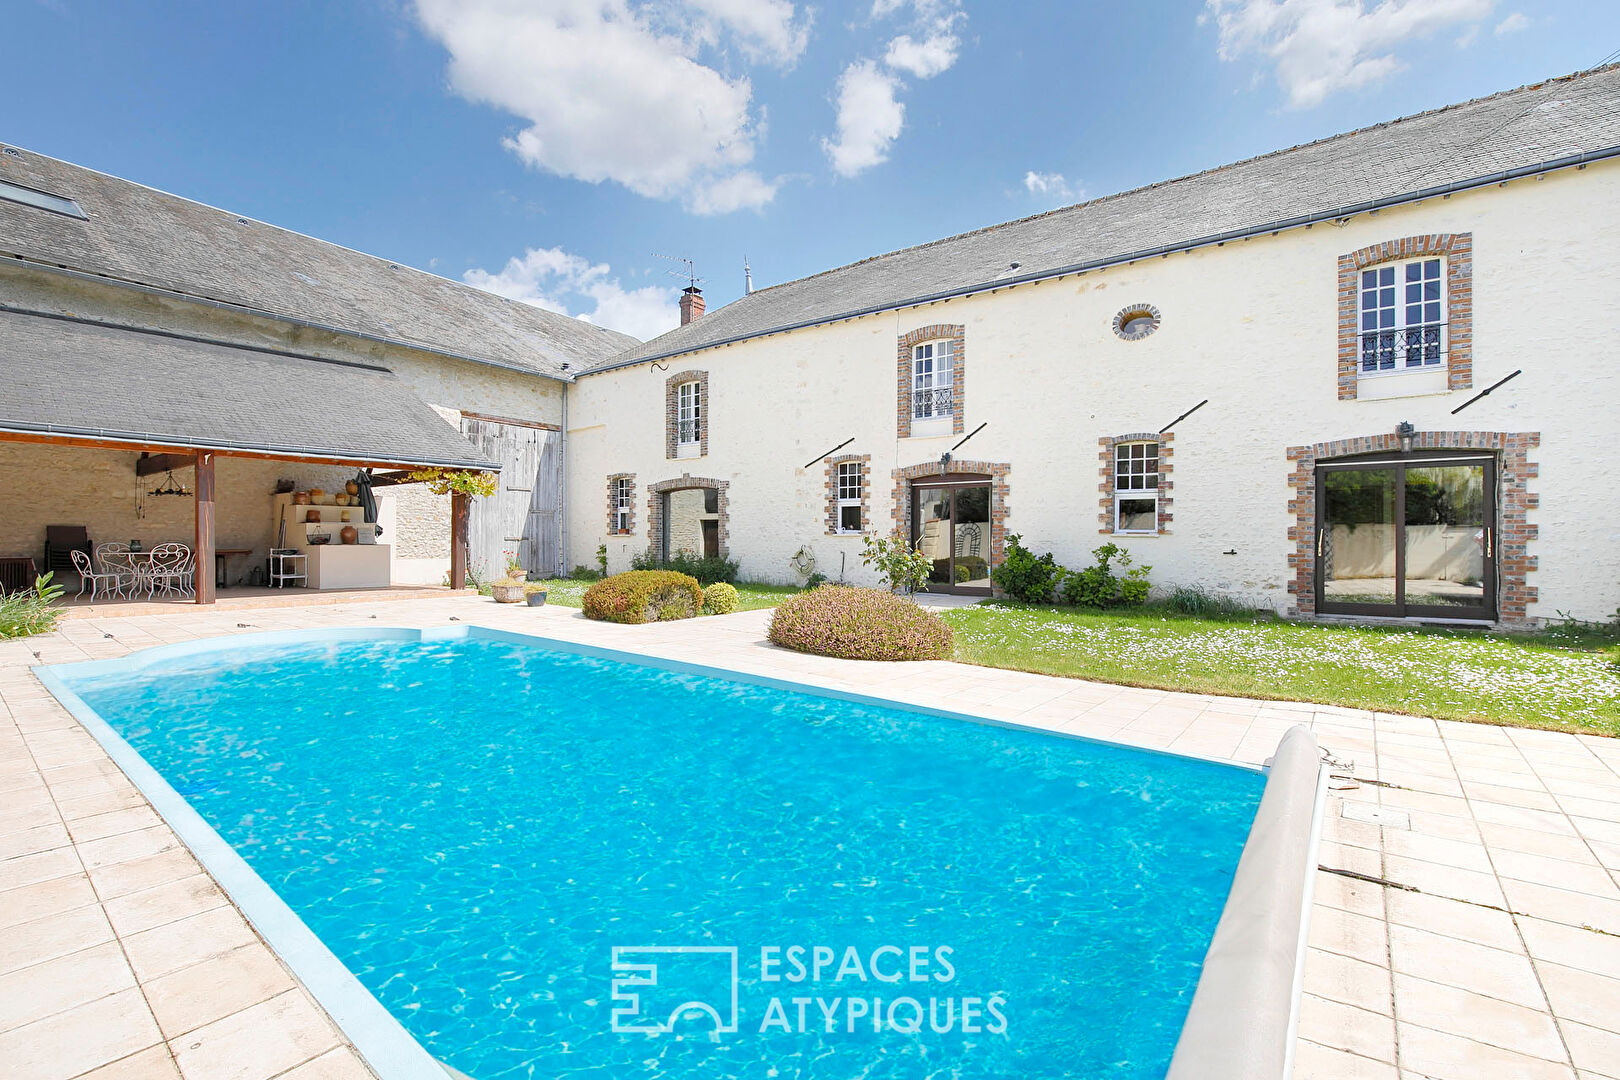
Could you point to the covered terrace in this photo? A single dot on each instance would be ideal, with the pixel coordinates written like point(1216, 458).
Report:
point(101, 424)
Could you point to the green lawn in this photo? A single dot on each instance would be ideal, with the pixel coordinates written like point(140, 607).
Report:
point(566, 592)
point(1537, 681)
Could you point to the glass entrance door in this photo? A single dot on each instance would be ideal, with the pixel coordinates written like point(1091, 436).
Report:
point(1407, 537)
point(950, 523)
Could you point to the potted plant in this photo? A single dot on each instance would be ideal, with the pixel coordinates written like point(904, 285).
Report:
point(535, 593)
point(514, 568)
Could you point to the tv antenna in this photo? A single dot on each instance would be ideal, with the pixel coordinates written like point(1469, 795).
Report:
point(689, 273)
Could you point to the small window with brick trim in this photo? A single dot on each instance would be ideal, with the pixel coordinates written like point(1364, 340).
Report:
point(688, 419)
point(623, 504)
point(850, 482)
point(1402, 322)
point(1136, 487)
point(933, 366)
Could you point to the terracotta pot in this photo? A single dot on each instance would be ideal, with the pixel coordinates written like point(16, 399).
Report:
point(300, 498)
point(345, 515)
point(352, 488)
point(507, 594)
point(312, 515)
point(316, 493)
point(350, 534)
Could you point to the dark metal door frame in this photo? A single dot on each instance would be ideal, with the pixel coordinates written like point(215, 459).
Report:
point(1399, 464)
point(953, 481)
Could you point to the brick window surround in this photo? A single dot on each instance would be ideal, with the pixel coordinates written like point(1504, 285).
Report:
point(1105, 478)
point(613, 504)
point(655, 508)
point(1458, 250)
point(1514, 472)
point(672, 409)
point(937, 332)
point(865, 461)
point(999, 489)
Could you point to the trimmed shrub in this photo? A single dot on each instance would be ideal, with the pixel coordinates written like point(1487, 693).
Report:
point(707, 569)
point(859, 624)
point(719, 599)
point(1024, 576)
point(641, 596)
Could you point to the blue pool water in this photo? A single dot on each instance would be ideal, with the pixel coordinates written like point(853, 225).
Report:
point(474, 825)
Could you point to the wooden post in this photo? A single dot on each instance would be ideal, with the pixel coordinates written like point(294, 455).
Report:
point(203, 568)
point(460, 509)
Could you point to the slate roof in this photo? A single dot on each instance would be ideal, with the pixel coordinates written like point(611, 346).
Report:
point(71, 378)
point(135, 233)
point(1513, 130)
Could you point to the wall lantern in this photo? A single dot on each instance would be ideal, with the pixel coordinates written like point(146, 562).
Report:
point(1405, 430)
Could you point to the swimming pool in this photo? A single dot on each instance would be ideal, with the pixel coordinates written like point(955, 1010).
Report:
point(479, 826)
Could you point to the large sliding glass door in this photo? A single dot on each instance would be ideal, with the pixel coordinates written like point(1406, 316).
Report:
point(950, 523)
point(1409, 536)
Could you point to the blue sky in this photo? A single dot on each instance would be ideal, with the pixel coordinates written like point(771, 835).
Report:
point(547, 148)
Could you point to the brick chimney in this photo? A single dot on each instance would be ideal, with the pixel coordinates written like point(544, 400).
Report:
point(691, 304)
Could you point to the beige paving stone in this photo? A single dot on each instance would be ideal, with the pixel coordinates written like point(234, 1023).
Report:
point(1535, 842)
point(1581, 996)
point(257, 1043)
point(176, 945)
point(111, 850)
point(1454, 919)
point(136, 875)
point(1313, 1061)
point(1477, 1017)
point(134, 912)
point(205, 992)
point(1562, 905)
point(1595, 1052)
point(71, 1043)
point(1359, 936)
point(1584, 877)
point(1350, 982)
point(39, 940)
point(1572, 947)
point(114, 822)
point(44, 989)
point(153, 1063)
point(1495, 973)
point(1338, 1026)
point(1439, 1056)
point(27, 869)
point(1349, 894)
point(52, 897)
point(1437, 879)
point(340, 1064)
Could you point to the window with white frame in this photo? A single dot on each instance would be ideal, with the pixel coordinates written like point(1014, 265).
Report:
point(850, 483)
point(623, 495)
point(1403, 323)
point(1136, 487)
point(689, 415)
point(933, 369)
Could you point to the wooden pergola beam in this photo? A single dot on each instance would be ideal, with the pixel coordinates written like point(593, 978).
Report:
point(189, 452)
point(202, 574)
point(149, 464)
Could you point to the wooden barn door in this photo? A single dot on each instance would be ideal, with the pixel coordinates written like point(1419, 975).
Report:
point(525, 515)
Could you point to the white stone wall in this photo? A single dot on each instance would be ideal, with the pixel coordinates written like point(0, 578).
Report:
point(1251, 325)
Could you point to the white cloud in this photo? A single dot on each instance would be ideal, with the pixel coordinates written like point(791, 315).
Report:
point(1512, 24)
point(766, 31)
point(870, 113)
point(563, 282)
point(869, 118)
point(1319, 47)
point(924, 59)
point(1052, 186)
point(615, 92)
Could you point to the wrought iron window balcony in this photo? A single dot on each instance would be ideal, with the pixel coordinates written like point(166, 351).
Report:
point(926, 404)
point(1406, 349)
point(688, 432)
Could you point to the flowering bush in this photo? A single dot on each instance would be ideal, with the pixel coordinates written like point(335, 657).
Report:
point(443, 481)
point(720, 599)
point(641, 596)
point(859, 624)
point(903, 566)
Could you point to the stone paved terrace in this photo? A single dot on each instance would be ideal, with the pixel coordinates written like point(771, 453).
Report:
point(1495, 955)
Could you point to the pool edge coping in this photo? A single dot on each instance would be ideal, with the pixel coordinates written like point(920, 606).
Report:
point(387, 1047)
point(1244, 1018)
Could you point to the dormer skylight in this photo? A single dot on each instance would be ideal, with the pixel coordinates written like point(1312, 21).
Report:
point(41, 200)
